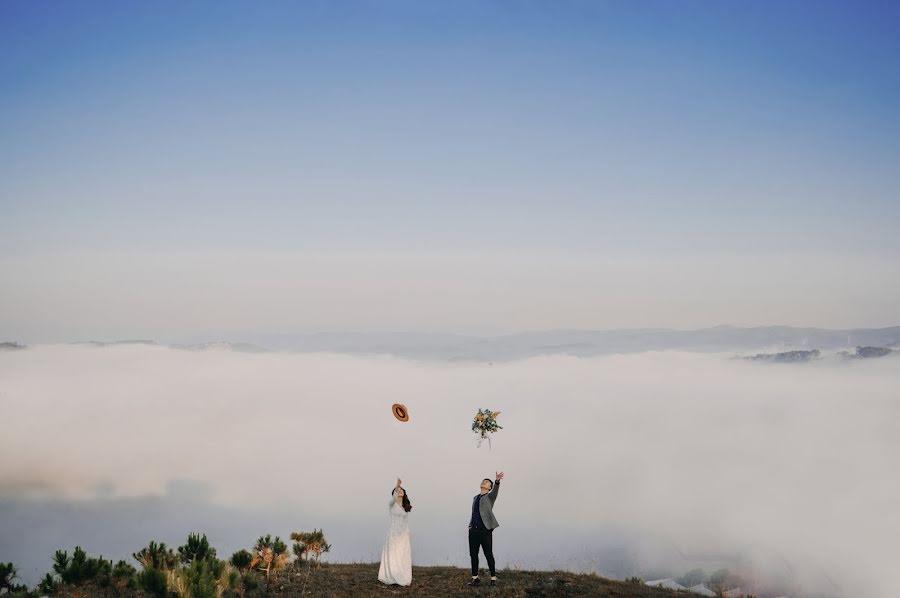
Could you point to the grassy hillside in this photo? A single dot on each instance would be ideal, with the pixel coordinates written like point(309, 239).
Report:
point(334, 580)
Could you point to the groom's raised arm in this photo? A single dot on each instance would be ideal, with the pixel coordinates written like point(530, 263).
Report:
point(495, 490)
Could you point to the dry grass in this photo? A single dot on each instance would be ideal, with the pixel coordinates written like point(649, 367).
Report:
point(337, 580)
point(333, 580)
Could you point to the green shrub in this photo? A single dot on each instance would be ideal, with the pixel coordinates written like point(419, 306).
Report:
point(234, 578)
point(7, 575)
point(123, 576)
point(153, 581)
point(157, 562)
point(269, 556)
point(310, 544)
point(48, 585)
point(206, 578)
point(242, 561)
point(81, 568)
point(201, 574)
point(156, 556)
point(197, 548)
point(251, 582)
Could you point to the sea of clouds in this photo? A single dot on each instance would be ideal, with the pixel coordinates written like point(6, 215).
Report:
point(621, 464)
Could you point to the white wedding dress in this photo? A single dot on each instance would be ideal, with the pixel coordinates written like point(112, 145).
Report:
point(396, 557)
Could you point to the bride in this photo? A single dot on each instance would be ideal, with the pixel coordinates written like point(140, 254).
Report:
point(396, 557)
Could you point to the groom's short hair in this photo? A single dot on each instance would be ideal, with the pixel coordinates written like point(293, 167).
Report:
point(489, 480)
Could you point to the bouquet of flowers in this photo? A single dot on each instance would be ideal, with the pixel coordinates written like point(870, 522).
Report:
point(484, 423)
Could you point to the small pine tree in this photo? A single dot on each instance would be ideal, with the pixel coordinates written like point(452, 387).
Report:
point(77, 568)
point(251, 582)
point(203, 578)
point(158, 563)
point(18, 591)
point(242, 561)
point(60, 562)
point(310, 544)
point(234, 578)
point(197, 548)
point(80, 568)
point(48, 585)
point(269, 556)
point(102, 571)
point(299, 550)
point(154, 582)
point(156, 556)
point(7, 574)
point(123, 575)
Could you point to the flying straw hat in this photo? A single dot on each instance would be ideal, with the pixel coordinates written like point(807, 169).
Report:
point(400, 412)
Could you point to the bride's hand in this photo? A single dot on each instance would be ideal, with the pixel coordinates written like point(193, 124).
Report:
point(398, 482)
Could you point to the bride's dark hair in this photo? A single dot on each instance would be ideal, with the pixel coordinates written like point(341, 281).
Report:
point(407, 506)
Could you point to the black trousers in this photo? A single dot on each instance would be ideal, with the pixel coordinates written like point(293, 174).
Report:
point(484, 539)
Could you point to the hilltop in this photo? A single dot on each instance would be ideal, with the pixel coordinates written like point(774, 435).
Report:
point(338, 580)
point(446, 582)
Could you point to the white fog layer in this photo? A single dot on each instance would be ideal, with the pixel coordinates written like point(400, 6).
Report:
point(618, 463)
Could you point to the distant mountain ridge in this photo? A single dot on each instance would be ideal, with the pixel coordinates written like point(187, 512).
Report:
point(580, 343)
point(814, 354)
point(223, 346)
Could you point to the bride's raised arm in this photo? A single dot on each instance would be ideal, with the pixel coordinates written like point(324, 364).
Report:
point(394, 493)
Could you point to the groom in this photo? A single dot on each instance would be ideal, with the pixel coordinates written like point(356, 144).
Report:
point(482, 526)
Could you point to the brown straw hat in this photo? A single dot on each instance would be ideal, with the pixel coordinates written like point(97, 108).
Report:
point(400, 412)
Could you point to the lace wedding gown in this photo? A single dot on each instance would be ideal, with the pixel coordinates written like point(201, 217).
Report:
point(396, 557)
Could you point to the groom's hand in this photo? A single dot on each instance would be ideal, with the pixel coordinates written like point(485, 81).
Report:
point(499, 475)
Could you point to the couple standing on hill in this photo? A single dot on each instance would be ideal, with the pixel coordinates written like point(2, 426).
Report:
point(396, 557)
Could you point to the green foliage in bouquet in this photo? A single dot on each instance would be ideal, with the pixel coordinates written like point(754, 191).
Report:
point(485, 422)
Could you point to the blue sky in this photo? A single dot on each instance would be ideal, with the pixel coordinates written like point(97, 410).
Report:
point(644, 130)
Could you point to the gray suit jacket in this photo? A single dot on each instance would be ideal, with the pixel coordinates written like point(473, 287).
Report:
point(486, 507)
